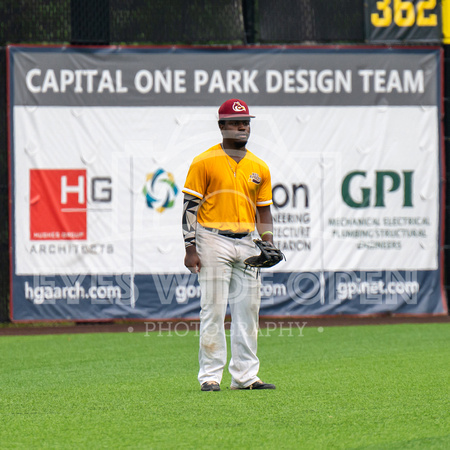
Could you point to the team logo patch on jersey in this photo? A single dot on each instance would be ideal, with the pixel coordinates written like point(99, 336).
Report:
point(238, 107)
point(160, 190)
point(255, 178)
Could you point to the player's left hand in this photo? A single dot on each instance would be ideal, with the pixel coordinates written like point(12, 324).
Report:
point(269, 256)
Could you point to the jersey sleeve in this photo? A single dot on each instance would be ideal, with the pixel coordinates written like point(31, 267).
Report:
point(196, 179)
point(265, 191)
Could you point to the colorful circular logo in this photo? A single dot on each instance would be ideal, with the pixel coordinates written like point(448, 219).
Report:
point(160, 190)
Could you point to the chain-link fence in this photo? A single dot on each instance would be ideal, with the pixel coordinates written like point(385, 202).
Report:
point(180, 21)
point(311, 21)
point(34, 21)
point(122, 21)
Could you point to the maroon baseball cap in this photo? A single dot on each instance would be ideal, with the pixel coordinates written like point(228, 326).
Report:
point(234, 109)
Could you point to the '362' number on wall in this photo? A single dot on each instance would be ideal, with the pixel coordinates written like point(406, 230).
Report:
point(404, 13)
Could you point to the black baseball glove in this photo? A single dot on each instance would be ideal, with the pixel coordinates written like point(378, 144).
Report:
point(269, 256)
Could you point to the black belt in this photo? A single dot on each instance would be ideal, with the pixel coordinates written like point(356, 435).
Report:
point(227, 233)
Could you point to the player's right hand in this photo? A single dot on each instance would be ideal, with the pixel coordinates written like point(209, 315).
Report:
point(192, 260)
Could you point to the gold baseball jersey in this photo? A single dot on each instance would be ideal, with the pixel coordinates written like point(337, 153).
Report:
point(230, 191)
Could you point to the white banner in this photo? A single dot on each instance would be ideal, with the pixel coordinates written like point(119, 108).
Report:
point(387, 155)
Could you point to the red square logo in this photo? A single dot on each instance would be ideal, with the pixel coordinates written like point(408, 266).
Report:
point(58, 204)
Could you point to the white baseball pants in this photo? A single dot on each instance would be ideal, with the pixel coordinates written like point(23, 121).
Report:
point(224, 279)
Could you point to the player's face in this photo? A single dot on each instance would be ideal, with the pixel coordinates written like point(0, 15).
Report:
point(236, 130)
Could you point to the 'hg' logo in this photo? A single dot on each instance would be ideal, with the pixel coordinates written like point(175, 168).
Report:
point(160, 190)
point(58, 202)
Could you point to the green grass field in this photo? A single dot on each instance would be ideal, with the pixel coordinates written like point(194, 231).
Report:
point(345, 387)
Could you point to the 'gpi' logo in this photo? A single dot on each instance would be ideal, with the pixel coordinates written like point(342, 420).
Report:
point(238, 107)
point(160, 190)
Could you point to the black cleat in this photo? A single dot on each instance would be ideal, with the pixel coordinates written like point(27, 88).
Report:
point(258, 385)
point(210, 386)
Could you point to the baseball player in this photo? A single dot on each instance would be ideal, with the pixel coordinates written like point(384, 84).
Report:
point(227, 189)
